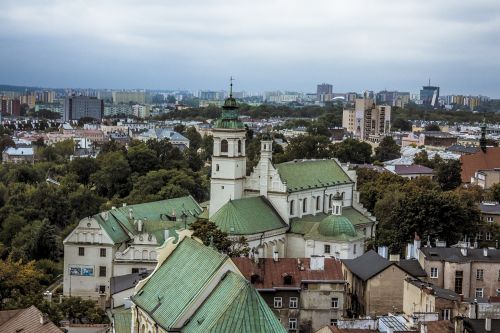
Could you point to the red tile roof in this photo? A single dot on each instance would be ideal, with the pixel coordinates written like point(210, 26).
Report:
point(28, 321)
point(271, 274)
point(479, 161)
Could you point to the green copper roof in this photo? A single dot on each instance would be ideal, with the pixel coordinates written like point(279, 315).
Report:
point(247, 216)
point(229, 118)
point(336, 225)
point(156, 217)
point(234, 307)
point(303, 175)
point(122, 321)
point(176, 284)
point(306, 224)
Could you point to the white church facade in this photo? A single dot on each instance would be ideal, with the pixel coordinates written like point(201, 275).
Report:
point(295, 209)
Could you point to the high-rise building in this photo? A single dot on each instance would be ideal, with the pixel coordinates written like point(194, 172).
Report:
point(48, 97)
point(77, 107)
point(429, 95)
point(129, 97)
point(367, 119)
point(324, 92)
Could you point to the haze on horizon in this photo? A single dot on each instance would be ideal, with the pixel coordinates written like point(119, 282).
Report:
point(266, 44)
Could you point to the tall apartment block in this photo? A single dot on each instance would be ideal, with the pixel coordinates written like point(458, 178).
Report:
point(77, 107)
point(429, 95)
point(324, 92)
point(367, 121)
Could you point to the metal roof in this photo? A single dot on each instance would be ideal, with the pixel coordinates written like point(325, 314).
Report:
point(454, 254)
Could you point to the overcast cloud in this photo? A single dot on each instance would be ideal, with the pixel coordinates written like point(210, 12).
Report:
point(265, 44)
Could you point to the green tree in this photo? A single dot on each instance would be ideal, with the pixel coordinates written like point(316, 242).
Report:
point(308, 147)
point(83, 167)
point(448, 174)
point(353, 151)
point(210, 235)
point(387, 150)
point(142, 159)
point(113, 175)
point(195, 139)
point(432, 127)
point(494, 193)
point(401, 125)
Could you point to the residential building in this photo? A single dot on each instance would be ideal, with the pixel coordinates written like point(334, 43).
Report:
point(48, 97)
point(472, 272)
point(29, 99)
point(436, 139)
point(486, 178)
point(141, 111)
point(120, 241)
point(77, 107)
point(305, 294)
point(123, 286)
point(29, 320)
point(486, 325)
point(486, 159)
point(210, 294)
point(118, 109)
point(375, 284)
point(126, 97)
point(367, 119)
point(18, 155)
point(175, 138)
point(420, 297)
point(490, 212)
point(429, 95)
point(462, 149)
point(324, 92)
point(411, 171)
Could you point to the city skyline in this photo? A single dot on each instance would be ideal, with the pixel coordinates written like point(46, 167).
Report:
point(265, 45)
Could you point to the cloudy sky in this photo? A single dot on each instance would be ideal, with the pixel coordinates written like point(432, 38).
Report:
point(265, 44)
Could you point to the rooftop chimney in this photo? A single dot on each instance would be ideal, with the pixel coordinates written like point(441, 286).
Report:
point(44, 319)
point(464, 251)
point(487, 324)
point(317, 263)
point(485, 251)
point(459, 324)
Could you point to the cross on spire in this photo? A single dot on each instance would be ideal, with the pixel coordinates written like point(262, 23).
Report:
point(231, 86)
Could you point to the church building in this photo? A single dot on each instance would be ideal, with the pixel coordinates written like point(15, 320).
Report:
point(300, 208)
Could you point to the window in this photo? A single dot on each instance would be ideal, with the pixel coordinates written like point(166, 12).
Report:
point(223, 146)
point(278, 302)
point(216, 167)
point(479, 236)
point(287, 280)
point(489, 219)
point(102, 270)
point(446, 314)
point(330, 201)
point(499, 275)
point(333, 322)
point(479, 274)
point(488, 236)
point(459, 275)
point(102, 289)
point(292, 323)
point(135, 270)
point(498, 292)
point(327, 248)
point(337, 210)
point(354, 249)
point(318, 203)
point(292, 203)
point(479, 292)
point(304, 206)
point(434, 272)
point(239, 146)
point(293, 304)
point(335, 303)
point(102, 252)
point(81, 251)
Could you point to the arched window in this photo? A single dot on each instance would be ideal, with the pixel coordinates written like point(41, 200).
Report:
point(318, 203)
point(292, 203)
point(330, 201)
point(223, 146)
point(336, 209)
point(239, 146)
point(304, 206)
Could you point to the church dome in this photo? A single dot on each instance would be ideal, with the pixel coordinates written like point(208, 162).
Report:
point(336, 225)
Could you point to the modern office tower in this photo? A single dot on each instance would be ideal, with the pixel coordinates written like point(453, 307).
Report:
point(367, 119)
point(324, 92)
point(77, 107)
point(429, 95)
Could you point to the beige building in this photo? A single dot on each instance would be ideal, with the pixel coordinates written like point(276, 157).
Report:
point(375, 284)
point(420, 298)
point(367, 120)
point(471, 272)
point(486, 178)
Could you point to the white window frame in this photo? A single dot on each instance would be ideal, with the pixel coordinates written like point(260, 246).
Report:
point(278, 302)
point(489, 219)
point(333, 322)
point(446, 314)
point(325, 246)
point(479, 274)
point(436, 271)
point(498, 292)
point(479, 293)
point(488, 236)
point(292, 323)
point(293, 302)
point(335, 303)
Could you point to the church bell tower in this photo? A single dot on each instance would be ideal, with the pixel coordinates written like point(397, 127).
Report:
point(229, 159)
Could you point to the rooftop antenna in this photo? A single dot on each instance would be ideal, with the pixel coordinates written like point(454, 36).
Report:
point(429, 82)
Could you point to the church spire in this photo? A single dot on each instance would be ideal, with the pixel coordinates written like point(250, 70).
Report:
point(482, 141)
point(229, 118)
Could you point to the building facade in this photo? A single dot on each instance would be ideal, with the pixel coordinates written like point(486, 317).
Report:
point(77, 107)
